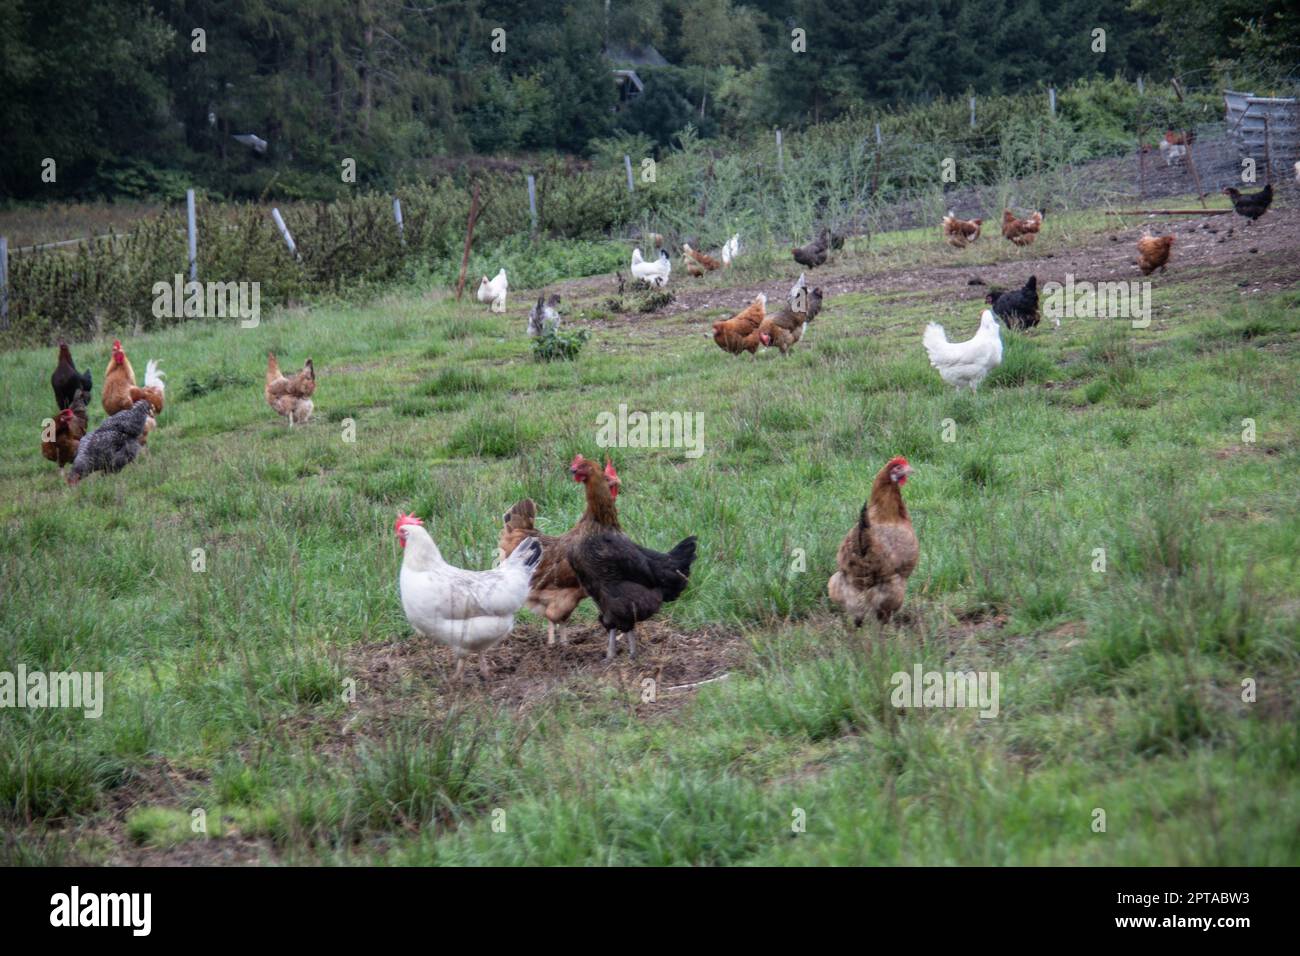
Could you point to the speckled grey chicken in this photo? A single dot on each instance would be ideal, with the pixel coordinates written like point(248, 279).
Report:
point(113, 445)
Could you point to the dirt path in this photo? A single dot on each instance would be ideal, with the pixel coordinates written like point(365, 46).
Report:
point(1213, 252)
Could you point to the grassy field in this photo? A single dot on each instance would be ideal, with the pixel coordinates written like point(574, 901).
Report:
point(1121, 690)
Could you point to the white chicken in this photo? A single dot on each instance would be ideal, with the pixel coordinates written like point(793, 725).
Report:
point(731, 250)
point(654, 274)
point(494, 291)
point(469, 611)
point(964, 364)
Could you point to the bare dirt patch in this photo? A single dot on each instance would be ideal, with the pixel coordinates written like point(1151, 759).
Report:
point(525, 671)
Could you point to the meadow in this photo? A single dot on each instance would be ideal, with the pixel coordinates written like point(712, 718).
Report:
point(280, 691)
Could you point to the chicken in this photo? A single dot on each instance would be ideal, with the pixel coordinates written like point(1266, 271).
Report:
point(69, 429)
point(1153, 253)
point(740, 333)
point(964, 364)
point(495, 291)
point(1172, 152)
point(1019, 307)
point(290, 396)
point(731, 250)
point(697, 263)
point(787, 327)
point(469, 611)
point(654, 274)
point(113, 445)
point(1022, 232)
point(554, 592)
point(1251, 205)
point(627, 582)
point(960, 232)
point(544, 316)
point(879, 552)
point(120, 391)
point(814, 253)
point(66, 380)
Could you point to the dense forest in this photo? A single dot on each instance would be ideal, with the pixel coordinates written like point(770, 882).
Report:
point(135, 98)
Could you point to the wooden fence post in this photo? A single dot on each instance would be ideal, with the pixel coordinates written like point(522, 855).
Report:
point(1051, 100)
point(193, 235)
point(972, 112)
point(627, 164)
point(4, 282)
point(469, 237)
point(397, 215)
point(780, 154)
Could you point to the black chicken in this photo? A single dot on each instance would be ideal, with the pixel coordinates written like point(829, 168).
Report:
point(113, 445)
point(66, 379)
point(814, 253)
point(1251, 205)
point(629, 583)
point(1017, 309)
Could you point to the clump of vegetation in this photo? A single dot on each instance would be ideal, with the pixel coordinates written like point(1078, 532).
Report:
point(213, 380)
point(559, 345)
point(655, 300)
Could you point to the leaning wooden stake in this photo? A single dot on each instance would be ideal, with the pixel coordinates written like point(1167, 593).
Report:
point(469, 238)
point(1168, 212)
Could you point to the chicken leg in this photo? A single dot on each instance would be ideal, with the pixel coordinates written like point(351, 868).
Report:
point(613, 645)
point(483, 670)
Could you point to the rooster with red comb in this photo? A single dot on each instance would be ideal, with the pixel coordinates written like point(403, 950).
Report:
point(555, 592)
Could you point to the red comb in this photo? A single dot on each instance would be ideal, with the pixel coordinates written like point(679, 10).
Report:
point(897, 460)
point(610, 473)
point(403, 520)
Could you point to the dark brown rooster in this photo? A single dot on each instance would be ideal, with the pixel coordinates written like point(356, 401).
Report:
point(1251, 205)
point(66, 379)
point(627, 582)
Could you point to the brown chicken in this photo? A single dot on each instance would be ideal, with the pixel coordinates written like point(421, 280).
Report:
point(69, 429)
point(1022, 232)
point(121, 392)
point(787, 327)
point(554, 591)
point(879, 553)
point(1153, 253)
point(697, 263)
point(290, 396)
point(740, 333)
point(960, 232)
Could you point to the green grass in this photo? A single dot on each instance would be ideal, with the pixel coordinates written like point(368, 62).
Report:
point(1120, 690)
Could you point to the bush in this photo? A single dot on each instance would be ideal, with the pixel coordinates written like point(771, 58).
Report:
point(556, 345)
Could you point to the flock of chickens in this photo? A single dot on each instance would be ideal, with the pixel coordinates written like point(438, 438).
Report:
point(471, 612)
point(131, 410)
point(120, 437)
